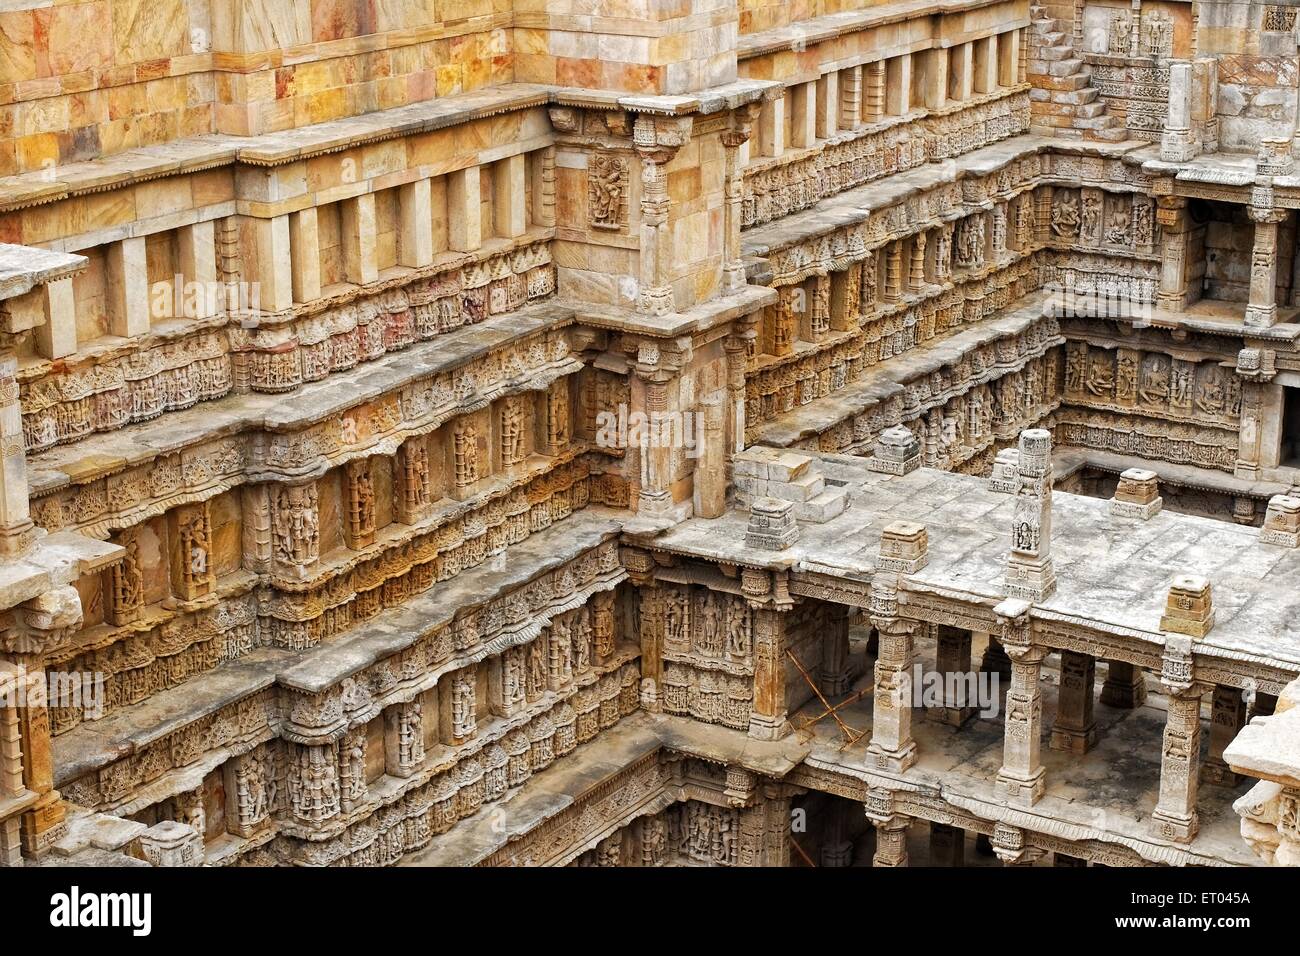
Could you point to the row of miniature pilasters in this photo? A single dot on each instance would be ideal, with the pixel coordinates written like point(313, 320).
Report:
point(947, 845)
point(294, 237)
point(848, 98)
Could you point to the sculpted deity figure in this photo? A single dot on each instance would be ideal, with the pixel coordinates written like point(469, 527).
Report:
point(710, 638)
point(512, 433)
point(1118, 230)
point(466, 455)
point(738, 640)
point(608, 181)
point(1065, 217)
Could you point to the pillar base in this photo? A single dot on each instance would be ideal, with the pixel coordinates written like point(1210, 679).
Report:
point(1176, 827)
point(1125, 694)
point(1261, 316)
point(1216, 771)
point(837, 855)
point(1022, 790)
point(894, 760)
point(1074, 741)
point(43, 825)
point(952, 716)
point(768, 728)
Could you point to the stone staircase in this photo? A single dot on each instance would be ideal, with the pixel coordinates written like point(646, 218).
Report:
point(1063, 101)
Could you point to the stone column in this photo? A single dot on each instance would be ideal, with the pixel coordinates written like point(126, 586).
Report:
point(56, 336)
point(509, 197)
point(1179, 142)
point(962, 71)
point(656, 144)
point(898, 84)
point(1227, 717)
point(737, 348)
point(1030, 575)
point(1175, 812)
point(903, 550)
point(733, 266)
point(1261, 310)
point(403, 738)
point(16, 528)
point(1021, 776)
point(127, 288)
point(358, 229)
point(837, 849)
point(658, 377)
point(835, 653)
point(413, 496)
point(464, 210)
point(196, 255)
point(828, 104)
point(415, 209)
point(304, 254)
point(916, 269)
point(947, 845)
point(803, 115)
point(768, 718)
point(952, 657)
point(850, 98)
point(1125, 685)
point(771, 127)
point(42, 824)
point(1075, 728)
point(873, 103)
point(891, 841)
point(1171, 214)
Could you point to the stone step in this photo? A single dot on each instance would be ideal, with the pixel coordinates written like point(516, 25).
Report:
point(1079, 97)
point(1090, 110)
point(1096, 122)
point(1055, 39)
point(1050, 53)
point(1116, 134)
point(1076, 82)
point(1065, 67)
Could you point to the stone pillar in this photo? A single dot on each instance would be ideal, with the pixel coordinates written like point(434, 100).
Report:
point(127, 288)
point(962, 72)
point(655, 498)
point(837, 849)
point(985, 65)
point(464, 210)
point(196, 253)
point(657, 145)
point(916, 269)
point(952, 657)
point(733, 139)
point(771, 127)
point(891, 841)
point(1021, 776)
point(415, 208)
point(873, 102)
point(359, 489)
point(850, 113)
point(894, 271)
point(1030, 575)
point(1179, 142)
point(304, 249)
point(768, 718)
point(413, 497)
point(898, 85)
point(947, 845)
point(403, 738)
point(1125, 686)
point(172, 844)
point(803, 115)
point(828, 105)
point(1171, 213)
point(936, 78)
point(710, 479)
point(56, 336)
point(737, 348)
point(1227, 717)
point(509, 197)
point(1175, 812)
point(1009, 845)
point(1009, 58)
point(16, 528)
point(357, 236)
point(43, 823)
point(1075, 728)
point(903, 550)
point(834, 675)
point(1261, 310)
